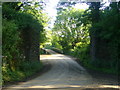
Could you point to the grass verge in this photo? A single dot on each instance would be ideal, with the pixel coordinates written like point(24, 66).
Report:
point(98, 65)
point(25, 70)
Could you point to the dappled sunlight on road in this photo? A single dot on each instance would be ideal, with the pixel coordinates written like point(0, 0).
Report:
point(79, 87)
point(53, 56)
point(109, 86)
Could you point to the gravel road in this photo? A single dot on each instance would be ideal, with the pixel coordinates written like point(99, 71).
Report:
point(64, 74)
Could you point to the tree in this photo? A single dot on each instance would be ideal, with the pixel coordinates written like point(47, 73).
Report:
point(94, 17)
point(70, 28)
point(26, 27)
point(103, 33)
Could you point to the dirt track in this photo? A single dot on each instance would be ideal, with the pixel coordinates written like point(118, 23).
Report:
point(65, 73)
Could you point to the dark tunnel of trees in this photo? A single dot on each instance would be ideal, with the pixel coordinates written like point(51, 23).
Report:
point(91, 35)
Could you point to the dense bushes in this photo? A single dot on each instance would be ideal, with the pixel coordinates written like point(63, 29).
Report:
point(106, 31)
point(91, 35)
point(11, 41)
point(21, 38)
point(25, 70)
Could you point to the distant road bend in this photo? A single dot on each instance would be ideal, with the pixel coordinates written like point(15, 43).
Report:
point(65, 74)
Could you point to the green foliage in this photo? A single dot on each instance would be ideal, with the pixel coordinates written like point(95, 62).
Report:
point(36, 10)
point(8, 75)
point(90, 35)
point(104, 33)
point(108, 36)
point(30, 67)
point(21, 37)
point(69, 29)
point(26, 69)
point(10, 43)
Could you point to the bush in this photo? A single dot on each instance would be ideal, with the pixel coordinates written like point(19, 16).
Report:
point(25, 70)
point(10, 44)
point(82, 52)
point(30, 67)
point(20, 46)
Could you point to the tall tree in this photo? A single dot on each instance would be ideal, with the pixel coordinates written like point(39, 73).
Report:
point(94, 17)
point(70, 28)
point(26, 27)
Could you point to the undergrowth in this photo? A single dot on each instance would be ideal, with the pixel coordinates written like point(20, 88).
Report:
point(25, 70)
point(84, 58)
